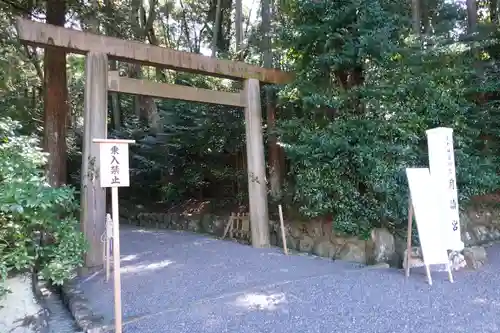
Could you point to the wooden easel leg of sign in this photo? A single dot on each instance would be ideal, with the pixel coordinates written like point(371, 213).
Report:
point(409, 252)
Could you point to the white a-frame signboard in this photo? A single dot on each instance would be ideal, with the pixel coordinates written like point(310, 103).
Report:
point(114, 173)
point(425, 206)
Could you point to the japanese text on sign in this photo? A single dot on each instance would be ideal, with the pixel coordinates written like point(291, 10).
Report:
point(452, 187)
point(442, 169)
point(114, 164)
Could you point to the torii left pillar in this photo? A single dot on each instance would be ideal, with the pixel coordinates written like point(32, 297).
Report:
point(93, 196)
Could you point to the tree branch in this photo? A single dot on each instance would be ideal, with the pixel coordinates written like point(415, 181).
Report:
point(32, 56)
point(21, 9)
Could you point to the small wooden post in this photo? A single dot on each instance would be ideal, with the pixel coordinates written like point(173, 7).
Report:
point(93, 196)
point(257, 185)
point(283, 234)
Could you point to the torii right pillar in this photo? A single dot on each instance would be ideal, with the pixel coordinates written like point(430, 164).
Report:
point(257, 184)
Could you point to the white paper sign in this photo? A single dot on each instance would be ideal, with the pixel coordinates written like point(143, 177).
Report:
point(425, 208)
point(442, 169)
point(114, 171)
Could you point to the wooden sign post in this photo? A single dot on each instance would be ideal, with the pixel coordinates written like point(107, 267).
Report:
point(114, 173)
point(425, 207)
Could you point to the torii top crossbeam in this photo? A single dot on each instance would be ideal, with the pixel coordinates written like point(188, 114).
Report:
point(42, 34)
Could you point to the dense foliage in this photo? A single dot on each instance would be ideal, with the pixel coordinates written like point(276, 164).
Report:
point(30, 209)
point(190, 158)
point(383, 88)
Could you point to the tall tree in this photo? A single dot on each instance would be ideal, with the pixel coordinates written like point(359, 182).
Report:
point(471, 15)
point(216, 28)
point(416, 16)
point(274, 160)
point(56, 107)
point(493, 8)
point(238, 23)
point(109, 8)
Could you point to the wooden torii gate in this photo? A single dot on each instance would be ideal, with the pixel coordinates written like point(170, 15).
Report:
point(98, 49)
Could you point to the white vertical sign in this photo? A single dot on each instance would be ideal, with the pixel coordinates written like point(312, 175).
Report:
point(114, 173)
point(442, 169)
point(425, 207)
point(114, 164)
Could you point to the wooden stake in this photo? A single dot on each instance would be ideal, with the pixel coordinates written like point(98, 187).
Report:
point(283, 236)
point(428, 273)
point(116, 260)
point(450, 274)
point(228, 225)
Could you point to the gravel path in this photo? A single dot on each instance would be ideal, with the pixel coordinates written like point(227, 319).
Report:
point(181, 282)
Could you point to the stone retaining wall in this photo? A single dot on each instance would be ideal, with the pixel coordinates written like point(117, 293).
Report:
point(479, 226)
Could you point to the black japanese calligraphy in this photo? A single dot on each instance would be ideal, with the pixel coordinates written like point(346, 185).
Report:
point(115, 169)
point(451, 184)
point(455, 225)
point(453, 204)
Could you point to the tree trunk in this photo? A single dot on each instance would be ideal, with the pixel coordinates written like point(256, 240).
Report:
point(274, 165)
point(115, 99)
point(185, 28)
point(56, 107)
point(425, 11)
point(494, 11)
point(116, 113)
point(148, 103)
point(471, 15)
point(416, 20)
point(216, 28)
point(238, 22)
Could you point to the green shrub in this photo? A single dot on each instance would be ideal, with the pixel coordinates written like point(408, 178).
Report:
point(364, 95)
point(30, 209)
